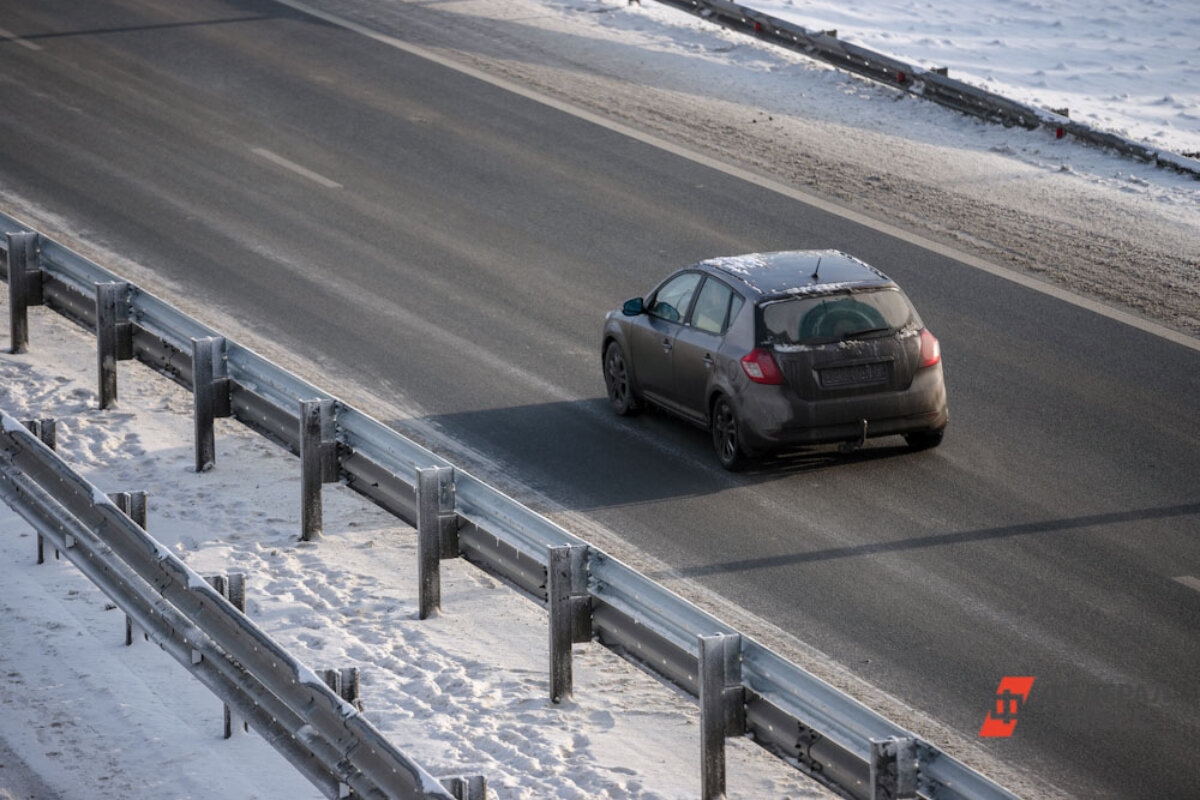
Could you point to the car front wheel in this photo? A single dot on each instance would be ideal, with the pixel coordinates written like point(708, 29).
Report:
point(726, 436)
point(616, 379)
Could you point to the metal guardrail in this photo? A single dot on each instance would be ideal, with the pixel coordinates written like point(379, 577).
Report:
point(319, 732)
point(929, 84)
point(824, 732)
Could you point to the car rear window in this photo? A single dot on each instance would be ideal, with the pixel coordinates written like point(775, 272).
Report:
point(832, 318)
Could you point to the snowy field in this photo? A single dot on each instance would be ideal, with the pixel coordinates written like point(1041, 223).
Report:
point(86, 718)
point(1132, 68)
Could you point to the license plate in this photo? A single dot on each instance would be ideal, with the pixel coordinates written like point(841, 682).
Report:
point(856, 375)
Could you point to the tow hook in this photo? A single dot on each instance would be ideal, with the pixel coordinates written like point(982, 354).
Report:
point(853, 444)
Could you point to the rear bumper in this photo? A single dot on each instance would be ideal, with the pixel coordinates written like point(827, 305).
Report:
point(773, 417)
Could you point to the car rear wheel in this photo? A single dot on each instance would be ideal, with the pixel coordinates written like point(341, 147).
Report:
point(727, 439)
point(924, 440)
point(616, 379)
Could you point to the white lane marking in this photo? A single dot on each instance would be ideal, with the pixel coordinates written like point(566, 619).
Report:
point(274, 158)
point(1190, 582)
point(766, 183)
point(12, 37)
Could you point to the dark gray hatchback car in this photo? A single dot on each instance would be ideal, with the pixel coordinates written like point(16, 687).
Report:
point(774, 350)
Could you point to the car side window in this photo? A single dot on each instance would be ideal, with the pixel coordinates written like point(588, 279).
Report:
point(672, 300)
point(712, 307)
point(734, 307)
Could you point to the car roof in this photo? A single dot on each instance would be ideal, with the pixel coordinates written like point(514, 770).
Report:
point(798, 272)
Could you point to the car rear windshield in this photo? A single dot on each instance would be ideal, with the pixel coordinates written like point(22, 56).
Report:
point(835, 317)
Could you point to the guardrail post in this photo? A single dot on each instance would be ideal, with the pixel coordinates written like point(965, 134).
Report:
point(570, 608)
point(437, 534)
point(210, 396)
point(318, 463)
point(47, 431)
point(132, 505)
point(722, 706)
point(893, 768)
point(24, 286)
point(346, 684)
point(233, 588)
point(113, 337)
point(472, 787)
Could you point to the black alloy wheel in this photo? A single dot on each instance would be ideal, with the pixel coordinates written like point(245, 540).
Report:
point(726, 438)
point(616, 379)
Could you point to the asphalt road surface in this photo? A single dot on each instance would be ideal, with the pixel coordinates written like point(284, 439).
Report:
point(457, 245)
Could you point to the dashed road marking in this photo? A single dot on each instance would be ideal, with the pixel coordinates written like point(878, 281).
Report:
point(15, 39)
point(1190, 582)
point(274, 158)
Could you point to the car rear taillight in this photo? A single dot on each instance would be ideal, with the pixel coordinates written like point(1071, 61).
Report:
point(931, 351)
point(760, 367)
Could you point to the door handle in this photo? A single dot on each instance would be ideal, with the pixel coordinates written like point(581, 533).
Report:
point(708, 360)
point(667, 345)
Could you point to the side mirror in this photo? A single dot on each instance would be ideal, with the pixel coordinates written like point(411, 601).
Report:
point(633, 307)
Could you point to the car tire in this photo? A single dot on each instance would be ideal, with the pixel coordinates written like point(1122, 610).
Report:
point(924, 440)
point(727, 435)
point(617, 380)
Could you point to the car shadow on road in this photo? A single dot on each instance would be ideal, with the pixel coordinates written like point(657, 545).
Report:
point(582, 457)
point(827, 456)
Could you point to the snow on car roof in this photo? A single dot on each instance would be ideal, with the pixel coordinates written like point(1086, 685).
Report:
point(794, 272)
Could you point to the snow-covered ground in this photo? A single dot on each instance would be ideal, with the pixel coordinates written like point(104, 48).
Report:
point(1132, 68)
point(83, 717)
